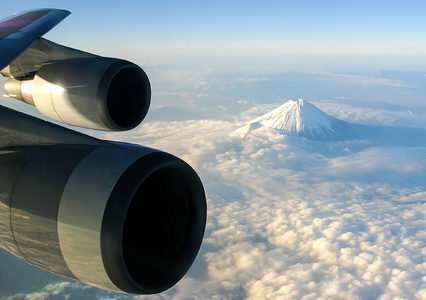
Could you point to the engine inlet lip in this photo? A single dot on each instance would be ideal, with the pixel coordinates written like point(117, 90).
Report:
point(116, 212)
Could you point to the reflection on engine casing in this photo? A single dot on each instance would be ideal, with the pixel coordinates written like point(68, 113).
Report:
point(95, 92)
point(116, 216)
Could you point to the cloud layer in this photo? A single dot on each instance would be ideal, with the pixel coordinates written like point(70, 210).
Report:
point(289, 218)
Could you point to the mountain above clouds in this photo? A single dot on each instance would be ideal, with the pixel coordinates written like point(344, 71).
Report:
point(301, 118)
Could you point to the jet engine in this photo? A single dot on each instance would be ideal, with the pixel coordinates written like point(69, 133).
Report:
point(96, 93)
point(117, 216)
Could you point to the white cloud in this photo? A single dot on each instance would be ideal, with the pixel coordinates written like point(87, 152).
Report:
point(374, 116)
point(363, 80)
point(278, 228)
point(62, 289)
point(289, 220)
point(402, 161)
point(243, 101)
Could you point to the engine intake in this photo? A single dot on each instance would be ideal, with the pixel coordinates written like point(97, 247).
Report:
point(161, 220)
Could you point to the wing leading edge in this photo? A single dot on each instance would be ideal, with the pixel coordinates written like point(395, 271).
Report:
point(20, 31)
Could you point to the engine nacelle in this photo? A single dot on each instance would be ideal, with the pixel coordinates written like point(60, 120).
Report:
point(117, 216)
point(96, 92)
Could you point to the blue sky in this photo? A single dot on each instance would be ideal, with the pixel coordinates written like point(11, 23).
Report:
point(352, 34)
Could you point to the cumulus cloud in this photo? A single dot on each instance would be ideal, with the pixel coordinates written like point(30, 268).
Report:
point(61, 290)
point(287, 219)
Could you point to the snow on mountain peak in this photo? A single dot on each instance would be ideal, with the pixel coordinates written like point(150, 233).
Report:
point(297, 116)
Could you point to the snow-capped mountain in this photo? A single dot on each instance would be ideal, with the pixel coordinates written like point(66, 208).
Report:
point(298, 117)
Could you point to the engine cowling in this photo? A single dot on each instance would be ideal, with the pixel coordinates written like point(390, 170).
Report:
point(117, 216)
point(96, 92)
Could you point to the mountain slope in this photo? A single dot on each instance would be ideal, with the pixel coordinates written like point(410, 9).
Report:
point(301, 118)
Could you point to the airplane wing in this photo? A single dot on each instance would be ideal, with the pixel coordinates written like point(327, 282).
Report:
point(20, 31)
